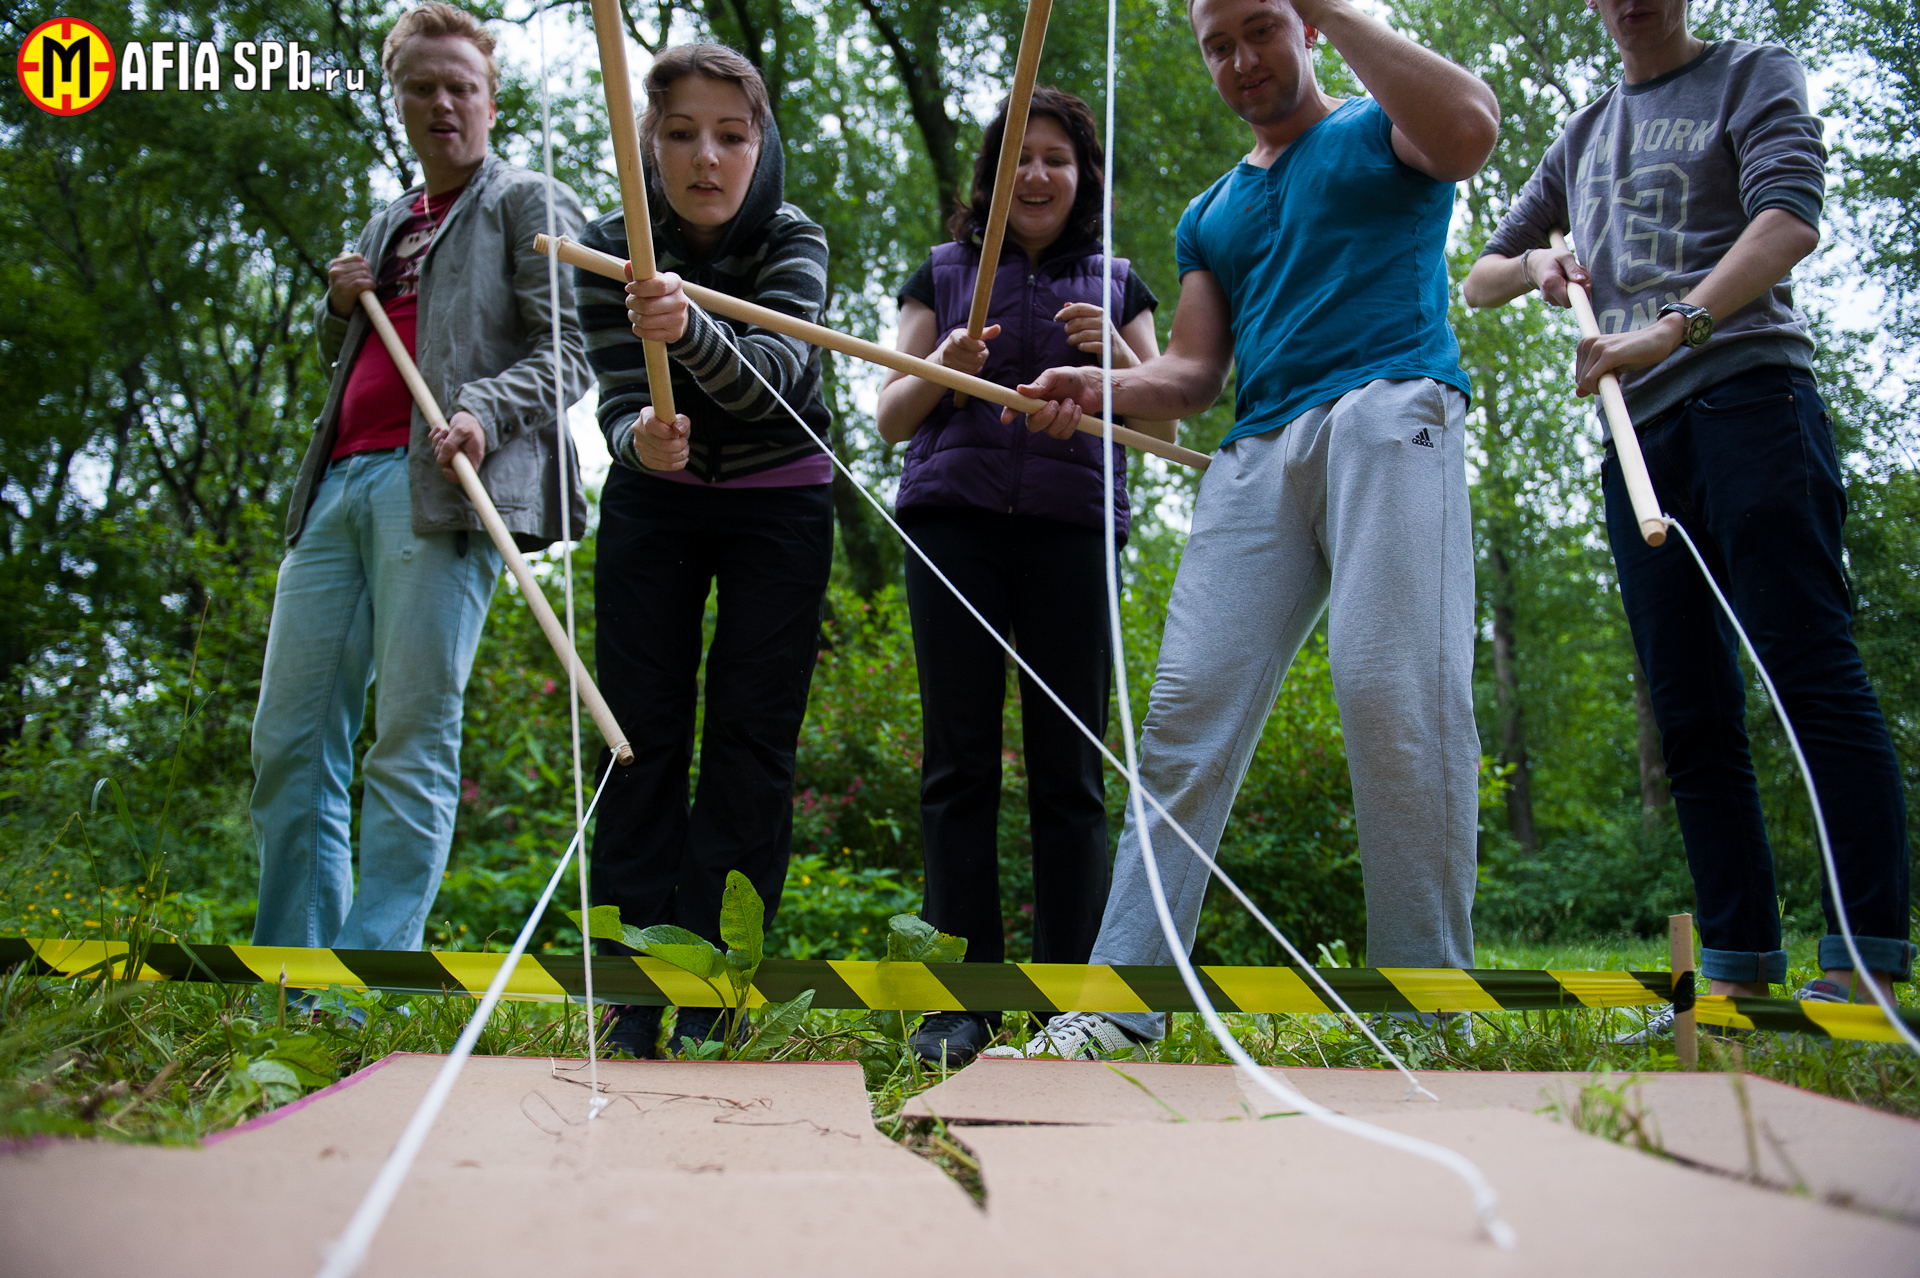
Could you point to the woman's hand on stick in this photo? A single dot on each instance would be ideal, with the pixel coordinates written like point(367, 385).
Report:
point(963, 353)
point(657, 307)
point(1087, 327)
point(662, 445)
point(1069, 392)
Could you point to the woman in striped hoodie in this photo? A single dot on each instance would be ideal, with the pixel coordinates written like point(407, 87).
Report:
point(733, 490)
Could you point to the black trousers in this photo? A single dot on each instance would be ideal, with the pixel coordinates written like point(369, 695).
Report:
point(1748, 467)
point(1042, 583)
point(662, 545)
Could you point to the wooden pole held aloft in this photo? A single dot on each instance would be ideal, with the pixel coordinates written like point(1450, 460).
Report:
point(609, 29)
point(1686, 1034)
point(502, 539)
point(1026, 66)
point(1626, 444)
point(748, 313)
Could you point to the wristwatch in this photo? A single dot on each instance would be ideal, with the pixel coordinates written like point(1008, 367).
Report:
point(1697, 322)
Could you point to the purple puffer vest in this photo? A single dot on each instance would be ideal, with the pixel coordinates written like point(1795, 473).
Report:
point(966, 457)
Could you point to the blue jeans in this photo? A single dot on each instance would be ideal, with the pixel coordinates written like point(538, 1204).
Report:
point(361, 594)
point(1748, 468)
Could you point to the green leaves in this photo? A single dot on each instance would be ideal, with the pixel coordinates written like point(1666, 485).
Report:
point(913, 940)
point(741, 918)
point(603, 923)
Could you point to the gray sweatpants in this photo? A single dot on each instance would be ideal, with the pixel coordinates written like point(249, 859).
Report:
point(1359, 506)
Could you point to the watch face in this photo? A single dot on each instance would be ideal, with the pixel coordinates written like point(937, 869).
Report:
point(1699, 329)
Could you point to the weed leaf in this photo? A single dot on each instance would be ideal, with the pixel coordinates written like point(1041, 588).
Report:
point(742, 916)
point(911, 939)
point(685, 950)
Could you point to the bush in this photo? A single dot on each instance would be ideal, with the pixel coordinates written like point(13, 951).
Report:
point(1622, 879)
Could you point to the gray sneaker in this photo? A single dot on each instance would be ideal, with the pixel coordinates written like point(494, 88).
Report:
point(1072, 1036)
point(1822, 992)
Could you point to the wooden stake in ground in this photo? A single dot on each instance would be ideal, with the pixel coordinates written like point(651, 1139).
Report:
point(502, 539)
point(1626, 444)
point(748, 313)
point(1686, 1038)
point(1026, 65)
point(609, 29)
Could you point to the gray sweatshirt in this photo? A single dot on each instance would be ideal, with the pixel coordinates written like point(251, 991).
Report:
point(1666, 175)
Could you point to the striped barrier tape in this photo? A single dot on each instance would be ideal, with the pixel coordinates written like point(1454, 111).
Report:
point(1044, 988)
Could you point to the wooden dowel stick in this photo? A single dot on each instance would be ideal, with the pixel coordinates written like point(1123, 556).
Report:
point(1626, 444)
point(1026, 66)
point(609, 29)
point(1686, 1039)
point(502, 539)
point(747, 313)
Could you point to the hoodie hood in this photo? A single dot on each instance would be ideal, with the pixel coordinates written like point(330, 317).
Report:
point(765, 194)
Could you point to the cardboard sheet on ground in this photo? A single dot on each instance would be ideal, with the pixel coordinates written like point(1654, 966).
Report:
point(1839, 1152)
point(691, 1164)
point(1290, 1196)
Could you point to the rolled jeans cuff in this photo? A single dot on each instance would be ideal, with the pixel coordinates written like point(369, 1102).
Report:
point(1769, 966)
point(1148, 1027)
point(1882, 954)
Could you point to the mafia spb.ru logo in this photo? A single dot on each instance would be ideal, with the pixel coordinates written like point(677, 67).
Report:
point(65, 66)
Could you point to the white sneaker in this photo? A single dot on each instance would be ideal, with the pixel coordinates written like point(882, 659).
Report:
point(1072, 1036)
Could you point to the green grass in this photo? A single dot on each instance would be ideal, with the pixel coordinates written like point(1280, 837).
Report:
point(169, 1063)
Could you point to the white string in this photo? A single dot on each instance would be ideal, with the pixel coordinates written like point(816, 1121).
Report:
point(1861, 971)
point(1485, 1200)
point(1483, 1194)
point(1193, 846)
point(598, 1102)
point(346, 1255)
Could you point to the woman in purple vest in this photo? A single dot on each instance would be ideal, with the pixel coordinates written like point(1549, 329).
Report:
point(1015, 521)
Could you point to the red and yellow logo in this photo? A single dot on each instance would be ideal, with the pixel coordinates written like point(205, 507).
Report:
point(66, 66)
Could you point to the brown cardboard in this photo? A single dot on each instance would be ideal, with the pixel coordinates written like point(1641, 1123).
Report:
point(692, 1165)
point(1287, 1195)
point(1833, 1149)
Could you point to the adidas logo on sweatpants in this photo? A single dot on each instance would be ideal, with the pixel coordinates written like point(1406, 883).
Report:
point(1423, 439)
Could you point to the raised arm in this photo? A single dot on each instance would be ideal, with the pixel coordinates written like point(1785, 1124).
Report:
point(1445, 120)
point(1185, 380)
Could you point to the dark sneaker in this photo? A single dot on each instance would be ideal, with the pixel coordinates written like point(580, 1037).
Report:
point(631, 1029)
point(954, 1038)
point(700, 1025)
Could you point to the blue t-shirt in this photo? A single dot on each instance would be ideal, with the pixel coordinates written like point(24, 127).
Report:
point(1334, 265)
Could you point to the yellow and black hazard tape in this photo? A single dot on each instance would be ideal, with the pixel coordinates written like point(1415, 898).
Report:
point(1044, 988)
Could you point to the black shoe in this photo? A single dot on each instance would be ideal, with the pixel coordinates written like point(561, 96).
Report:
point(955, 1037)
point(699, 1025)
point(632, 1029)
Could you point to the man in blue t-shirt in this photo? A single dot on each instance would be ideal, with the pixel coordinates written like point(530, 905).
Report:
point(1342, 486)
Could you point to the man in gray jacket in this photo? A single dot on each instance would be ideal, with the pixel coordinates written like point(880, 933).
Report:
point(1692, 189)
point(389, 573)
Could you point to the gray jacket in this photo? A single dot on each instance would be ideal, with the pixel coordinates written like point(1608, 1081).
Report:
point(484, 345)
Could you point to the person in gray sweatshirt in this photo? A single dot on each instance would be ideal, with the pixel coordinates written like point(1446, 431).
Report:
point(1691, 190)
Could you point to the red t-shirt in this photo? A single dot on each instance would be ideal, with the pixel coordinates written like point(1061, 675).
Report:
point(377, 409)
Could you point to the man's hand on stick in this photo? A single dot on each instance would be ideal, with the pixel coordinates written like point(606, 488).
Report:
point(662, 445)
point(657, 307)
point(464, 434)
point(1613, 352)
point(1069, 392)
point(1549, 270)
point(348, 276)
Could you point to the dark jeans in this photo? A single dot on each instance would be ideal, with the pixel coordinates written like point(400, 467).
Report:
point(661, 547)
point(1748, 468)
point(1042, 583)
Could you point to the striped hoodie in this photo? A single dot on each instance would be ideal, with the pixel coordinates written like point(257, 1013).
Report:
point(774, 255)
